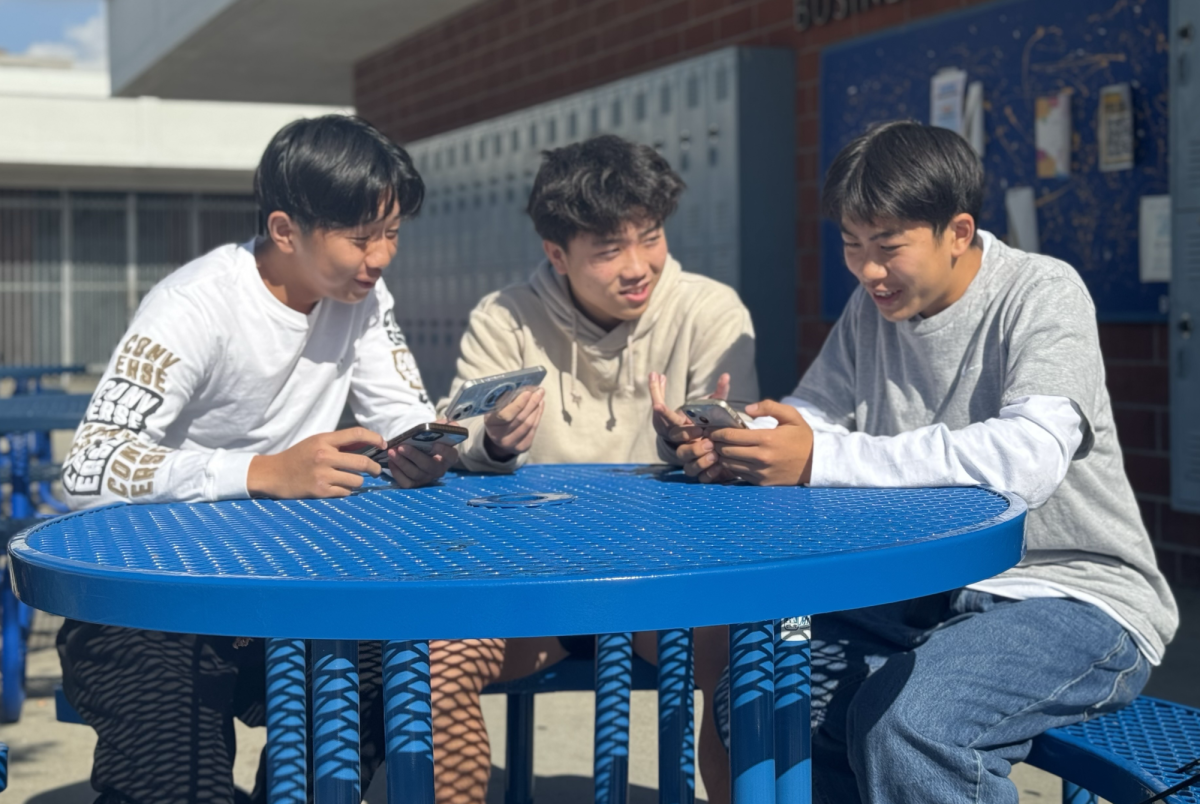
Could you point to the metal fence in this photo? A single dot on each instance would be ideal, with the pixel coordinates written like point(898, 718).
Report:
point(75, 265)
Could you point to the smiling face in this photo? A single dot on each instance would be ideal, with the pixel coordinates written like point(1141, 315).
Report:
point(907, 269)
point(339, 264)
point(612, 277)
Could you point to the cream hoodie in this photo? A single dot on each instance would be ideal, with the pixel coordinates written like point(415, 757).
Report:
point(597, 388)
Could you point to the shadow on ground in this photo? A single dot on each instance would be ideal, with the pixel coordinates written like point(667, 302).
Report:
point(565, 790)
point(80, 793)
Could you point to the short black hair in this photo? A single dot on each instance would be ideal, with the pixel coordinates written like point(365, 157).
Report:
point(335, 172)
point(906, 171)
point(600, 185)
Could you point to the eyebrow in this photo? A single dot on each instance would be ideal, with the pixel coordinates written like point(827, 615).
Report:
point(651, 229)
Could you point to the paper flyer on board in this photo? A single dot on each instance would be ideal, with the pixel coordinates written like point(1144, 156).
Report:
point(1114, 133)
point(973, 118)
point(1154, 238)
point(946, 91)
point(1052, 135)
point(1022, 218)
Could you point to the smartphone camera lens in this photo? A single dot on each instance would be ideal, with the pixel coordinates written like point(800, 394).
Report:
point(461, 410)
point(704, 420)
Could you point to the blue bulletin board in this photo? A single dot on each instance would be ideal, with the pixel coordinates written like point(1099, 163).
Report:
point(1020, 50)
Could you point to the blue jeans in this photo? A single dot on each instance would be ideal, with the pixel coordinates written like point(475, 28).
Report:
point(932, 700)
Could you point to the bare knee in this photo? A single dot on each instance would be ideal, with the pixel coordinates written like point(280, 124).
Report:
point(464, 665)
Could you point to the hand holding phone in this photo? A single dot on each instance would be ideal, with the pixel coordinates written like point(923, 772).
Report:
point(510, 429)
point(482, 395)
point(420, 456)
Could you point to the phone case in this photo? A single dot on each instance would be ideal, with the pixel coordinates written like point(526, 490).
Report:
point(711, 413)
point(480, 396)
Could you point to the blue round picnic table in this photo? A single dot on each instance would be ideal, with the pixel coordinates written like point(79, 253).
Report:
point(549, 550)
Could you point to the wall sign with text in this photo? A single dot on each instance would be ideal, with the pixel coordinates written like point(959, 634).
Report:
point(808, 13)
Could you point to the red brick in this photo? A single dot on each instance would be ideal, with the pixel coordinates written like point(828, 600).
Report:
point(773, 12)
point(1145, 384)
point(1137, 428)
point(701, 8)
point(735, 23)
point(1127, 342)
point(665, 47)
point(880, 17)
point(1180, 528)
point(1149, 474)
point(699, 35)
point(672, 15)
point(922, 8)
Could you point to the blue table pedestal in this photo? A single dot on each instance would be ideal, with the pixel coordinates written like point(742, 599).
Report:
point(614, 669)
point(287, 722)
point(752, 712)
point(676, 730)
point(408, 725)
point(336, 778)
point(793, 729)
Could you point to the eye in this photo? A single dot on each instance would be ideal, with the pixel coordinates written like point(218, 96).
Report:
point(891, 249)
point(392, 234)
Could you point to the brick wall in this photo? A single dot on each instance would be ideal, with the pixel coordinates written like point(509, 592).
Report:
point(503, 55)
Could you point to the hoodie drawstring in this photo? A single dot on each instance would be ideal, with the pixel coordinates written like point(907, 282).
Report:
point(630, 386)
point(575, 397)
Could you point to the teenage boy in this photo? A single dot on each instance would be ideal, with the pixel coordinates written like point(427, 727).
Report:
point(619, 326)
point(959, 361)
point(229, 384)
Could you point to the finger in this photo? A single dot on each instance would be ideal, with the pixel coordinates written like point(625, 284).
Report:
point(353, 462)
point(741, 437)
point(353, 437)
point(415, 460)
point(684, 433)
point(674, 418)
point(658, 389)
point(784, 414)
point(753, 456)
point(742, 469)
point(692, 450)
point(514, 402)
point(716, 474)
point(722, 391)
point(345, 480)
point(447, 453)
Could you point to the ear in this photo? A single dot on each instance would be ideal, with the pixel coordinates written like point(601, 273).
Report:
point(961, 233)
point(282, 231)
point(557, 256)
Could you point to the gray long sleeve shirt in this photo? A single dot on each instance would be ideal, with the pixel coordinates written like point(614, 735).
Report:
point(1026, 327)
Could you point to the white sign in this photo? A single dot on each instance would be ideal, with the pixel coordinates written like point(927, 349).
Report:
point(1154, 238)
point(1052, 135)
point(946, 99)
point(1022, 218)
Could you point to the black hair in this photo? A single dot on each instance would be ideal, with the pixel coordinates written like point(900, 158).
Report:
point(335, 172)
point(598, 186)
point(906, 171)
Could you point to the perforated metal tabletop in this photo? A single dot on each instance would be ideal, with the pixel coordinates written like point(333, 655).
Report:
point(38, 412)
point(637, 549)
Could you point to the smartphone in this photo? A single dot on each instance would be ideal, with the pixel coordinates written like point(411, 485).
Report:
point(480, 396)
point(423, 437)
point(712, 413)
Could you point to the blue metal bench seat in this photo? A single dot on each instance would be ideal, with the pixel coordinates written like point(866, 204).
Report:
point(1127, 757)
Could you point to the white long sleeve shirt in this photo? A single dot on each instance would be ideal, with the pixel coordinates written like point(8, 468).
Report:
point(214, 370)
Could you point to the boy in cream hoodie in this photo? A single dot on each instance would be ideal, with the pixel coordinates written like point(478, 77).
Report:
point(626, 336)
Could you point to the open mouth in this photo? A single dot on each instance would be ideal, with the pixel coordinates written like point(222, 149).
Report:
point(885, 297)
point(638, 293)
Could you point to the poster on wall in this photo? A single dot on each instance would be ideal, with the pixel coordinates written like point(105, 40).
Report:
point(946, 91)
point(1052, 135)
point(973, 118)
point(1154, 238)
point(1114, 134)
point(1021, 207)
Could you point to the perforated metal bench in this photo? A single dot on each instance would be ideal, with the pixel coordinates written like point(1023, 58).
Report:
point(1127, 757)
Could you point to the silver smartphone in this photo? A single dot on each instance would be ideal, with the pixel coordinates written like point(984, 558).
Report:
point(711, 413)
point(480, 396)
point(423, 437)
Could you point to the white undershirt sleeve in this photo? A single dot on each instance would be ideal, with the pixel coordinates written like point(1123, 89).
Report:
point(1026, 450)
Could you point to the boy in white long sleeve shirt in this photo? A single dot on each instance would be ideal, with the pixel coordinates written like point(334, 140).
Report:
point(229, 383)
point(959, 361)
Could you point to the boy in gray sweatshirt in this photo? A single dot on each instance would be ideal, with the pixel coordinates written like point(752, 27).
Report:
point(959, 361)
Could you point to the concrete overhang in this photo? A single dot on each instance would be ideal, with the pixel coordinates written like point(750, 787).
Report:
point(273, 51)
point(137, 144)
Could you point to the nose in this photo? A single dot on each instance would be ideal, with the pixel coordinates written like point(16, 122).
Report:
point(379, 254)
point(636, 267)
point(873, 271)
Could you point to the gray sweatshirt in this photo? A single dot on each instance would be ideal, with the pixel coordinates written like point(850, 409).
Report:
point(1026, 327)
